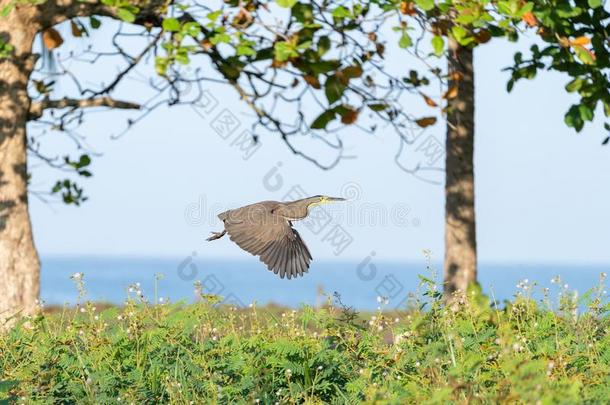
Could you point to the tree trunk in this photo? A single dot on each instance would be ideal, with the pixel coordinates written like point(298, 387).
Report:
point(460, 231)
point(19, 264)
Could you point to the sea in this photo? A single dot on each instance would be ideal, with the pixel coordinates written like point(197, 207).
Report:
point(364, 285)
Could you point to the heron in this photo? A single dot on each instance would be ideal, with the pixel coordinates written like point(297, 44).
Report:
point(264, 229)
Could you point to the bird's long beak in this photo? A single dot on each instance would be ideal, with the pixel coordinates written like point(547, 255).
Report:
point(335, 199)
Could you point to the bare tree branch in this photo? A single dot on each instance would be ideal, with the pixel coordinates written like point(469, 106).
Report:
point(37, 108)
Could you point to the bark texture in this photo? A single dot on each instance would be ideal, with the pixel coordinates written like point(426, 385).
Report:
point(19, 264)
point(460, 230)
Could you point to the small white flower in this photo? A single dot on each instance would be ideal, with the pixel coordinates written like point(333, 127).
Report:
point(77, 276)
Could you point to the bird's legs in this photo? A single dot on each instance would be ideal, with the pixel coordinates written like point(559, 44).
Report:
point(216, 235)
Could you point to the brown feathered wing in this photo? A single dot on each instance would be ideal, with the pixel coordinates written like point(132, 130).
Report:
point(271, 237)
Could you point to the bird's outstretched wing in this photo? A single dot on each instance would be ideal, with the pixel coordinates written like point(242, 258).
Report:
point(273, 239)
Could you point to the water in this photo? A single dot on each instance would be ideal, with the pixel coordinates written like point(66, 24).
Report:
point(242, 282)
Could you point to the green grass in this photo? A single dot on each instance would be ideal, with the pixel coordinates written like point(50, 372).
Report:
point(528, 352)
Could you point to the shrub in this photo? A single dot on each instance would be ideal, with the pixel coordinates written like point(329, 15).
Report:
point(469, 352)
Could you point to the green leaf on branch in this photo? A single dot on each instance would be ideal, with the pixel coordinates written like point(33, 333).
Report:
point(461, 35)
point(323, 45)
point(286, 3)
point(565, 10)
point(325, 66)
point(284, 51)
point(438, 44)
point(303, 13)
point(213, 16)
point(341, 12)
point(595, 3)
point(586, 113)
point(245, 50)
point(192, 29)
point(323, 119)
point(126, 15)
point(426, 5)
point(161, 65)
point(405, 40)
point(575, 85)
point(378, 107)
point(333, 88)
point(586, 56)
point(71, 193)
point(220, 38)
point(573, 118)
point(171, 25)
point(182, 56)
point(95, 23)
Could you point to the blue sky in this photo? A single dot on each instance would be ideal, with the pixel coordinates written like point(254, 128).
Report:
point(542, 190)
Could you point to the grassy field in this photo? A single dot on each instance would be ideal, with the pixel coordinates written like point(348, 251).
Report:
point(532, 352)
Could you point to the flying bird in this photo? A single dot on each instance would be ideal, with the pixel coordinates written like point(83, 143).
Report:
point(265, 229)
